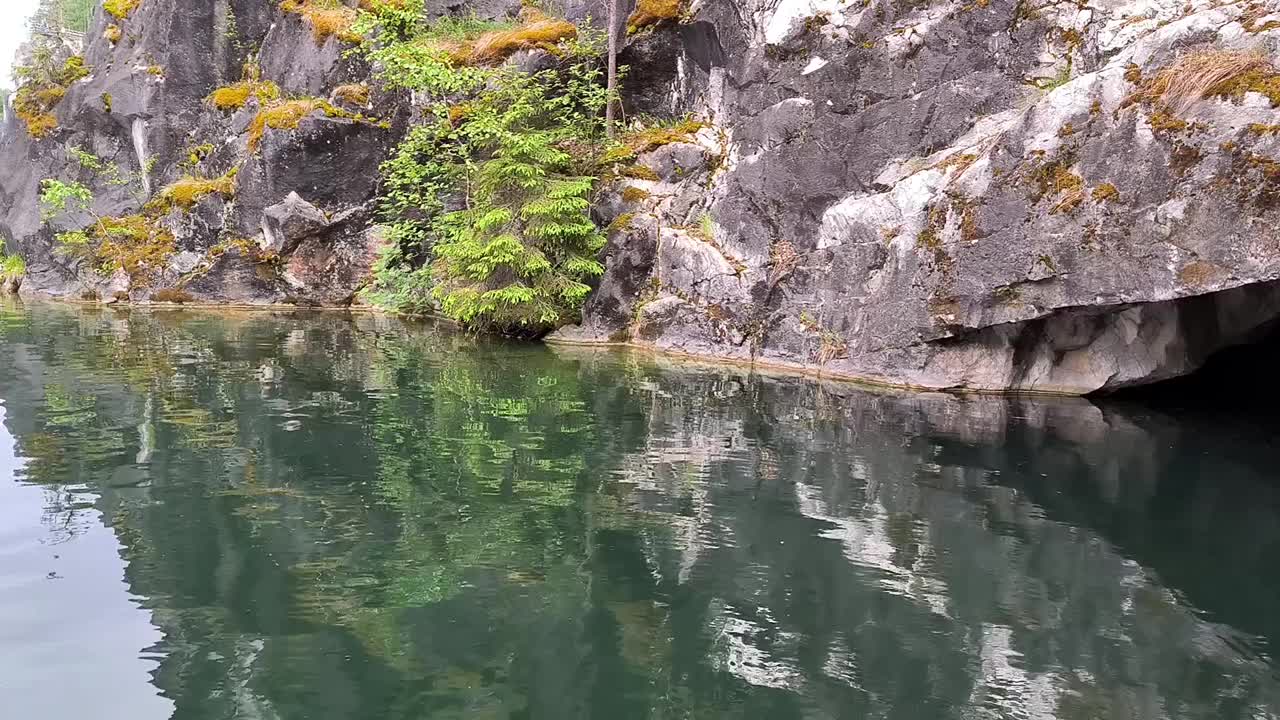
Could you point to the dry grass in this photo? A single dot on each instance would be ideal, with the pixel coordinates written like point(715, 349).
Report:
point(1210, 73)
point(327, 18)
point(113, 33)
point(537, 31)
point(653, 12)
point(352, 94)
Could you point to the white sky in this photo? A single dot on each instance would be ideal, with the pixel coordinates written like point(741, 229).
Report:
point(13, 30)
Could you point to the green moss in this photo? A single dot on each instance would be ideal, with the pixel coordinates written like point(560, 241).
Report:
point(1166, 123)
point(622, 222)
point(230, 98)
point(120, 9)
point(288, 114)
point(134, 243)
point(1105, 192)
point(188, 191)
point(634, 194)
point(640, 172)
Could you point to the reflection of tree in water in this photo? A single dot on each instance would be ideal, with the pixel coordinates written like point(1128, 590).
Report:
point(346, 519)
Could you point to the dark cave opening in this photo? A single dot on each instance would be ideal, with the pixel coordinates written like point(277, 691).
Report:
point(1241, 378)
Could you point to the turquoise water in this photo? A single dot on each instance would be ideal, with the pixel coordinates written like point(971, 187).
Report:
point(293, 515)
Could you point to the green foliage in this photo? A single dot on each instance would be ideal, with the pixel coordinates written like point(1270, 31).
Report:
point(57, 197)
point(73, 244)
point(11, 266)
point(110, 172)
point(76, 14)
point(487, 205)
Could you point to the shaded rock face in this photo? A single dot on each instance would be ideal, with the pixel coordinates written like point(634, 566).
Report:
point(952, 195)
point(144, 112)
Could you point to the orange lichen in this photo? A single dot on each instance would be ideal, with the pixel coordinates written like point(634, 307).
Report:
point(653, 12)
point(959, 161)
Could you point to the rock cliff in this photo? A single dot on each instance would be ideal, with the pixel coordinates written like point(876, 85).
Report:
point(995, 194)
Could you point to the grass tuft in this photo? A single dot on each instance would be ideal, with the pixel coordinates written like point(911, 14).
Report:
point(491, 48)
point(327, 18)
point(355, 94)
point(1207, 74)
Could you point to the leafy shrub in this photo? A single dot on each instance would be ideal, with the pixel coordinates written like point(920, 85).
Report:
point(486, 206)
point(11, 266)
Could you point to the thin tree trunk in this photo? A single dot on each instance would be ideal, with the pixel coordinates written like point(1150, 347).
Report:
point(612, 80)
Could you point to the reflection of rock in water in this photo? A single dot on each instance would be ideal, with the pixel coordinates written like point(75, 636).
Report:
point(354, 518)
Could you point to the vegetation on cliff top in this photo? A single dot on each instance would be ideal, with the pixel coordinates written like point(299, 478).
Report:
point(44, 83)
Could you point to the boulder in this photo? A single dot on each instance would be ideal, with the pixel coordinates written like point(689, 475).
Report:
point(289, 222)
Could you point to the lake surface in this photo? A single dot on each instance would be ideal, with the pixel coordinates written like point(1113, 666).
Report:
point(314, 516)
